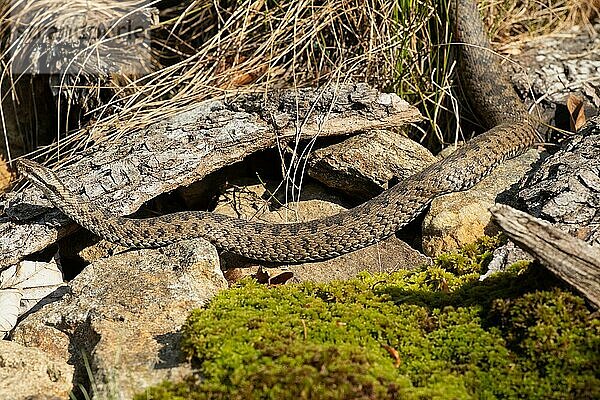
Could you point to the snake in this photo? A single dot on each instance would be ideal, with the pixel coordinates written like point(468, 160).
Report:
point(511, 131)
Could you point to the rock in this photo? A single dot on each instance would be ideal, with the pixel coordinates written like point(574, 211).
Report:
point(456, 219)
point(187, 146)
point(85, 248)
point(124, 313)
point(387, 256)
point(29, 373)
point(362, 165)
point(245, 198)
point(503, 257)
point(565, 189)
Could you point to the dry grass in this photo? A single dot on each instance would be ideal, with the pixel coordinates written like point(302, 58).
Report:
point(205, 51)
point(258, 45)
point(519, 20)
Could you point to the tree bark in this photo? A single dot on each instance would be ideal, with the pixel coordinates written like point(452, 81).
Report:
point(123, 173)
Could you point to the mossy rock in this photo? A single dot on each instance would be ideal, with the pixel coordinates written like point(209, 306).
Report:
point(516, 335)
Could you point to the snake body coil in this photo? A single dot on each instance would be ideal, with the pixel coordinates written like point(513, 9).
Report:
point(493, 98)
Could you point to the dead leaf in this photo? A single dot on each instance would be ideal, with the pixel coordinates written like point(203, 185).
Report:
point(274, 276)
point(394, 353)
point(6, 176)
point(576, 112)
point(281, 278)
point(262, 276)
point(444, 288)
point(233, 275)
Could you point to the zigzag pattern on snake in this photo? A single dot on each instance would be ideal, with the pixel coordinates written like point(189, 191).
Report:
point(493, 98)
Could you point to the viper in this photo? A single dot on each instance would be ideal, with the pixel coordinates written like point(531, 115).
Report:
point(511, 132)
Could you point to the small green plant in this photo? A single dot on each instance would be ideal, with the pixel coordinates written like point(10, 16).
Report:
point(471, 258)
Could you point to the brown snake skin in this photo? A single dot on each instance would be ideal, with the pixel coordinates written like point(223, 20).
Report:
point(493, 98)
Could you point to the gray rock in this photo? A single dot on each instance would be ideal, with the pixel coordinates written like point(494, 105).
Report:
point(456, 219)
point(84, 247)
point(124, 313)
point(387, 256)
point(186, 147)
point(29, 373)
point(363, 165)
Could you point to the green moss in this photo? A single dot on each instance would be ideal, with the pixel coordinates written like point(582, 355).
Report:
point(515, 335)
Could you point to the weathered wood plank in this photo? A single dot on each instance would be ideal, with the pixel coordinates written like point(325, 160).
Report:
point(123, 174)
point(569, 258)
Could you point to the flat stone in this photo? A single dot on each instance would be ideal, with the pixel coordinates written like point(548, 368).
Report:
point(387, 256)
point(363, 165)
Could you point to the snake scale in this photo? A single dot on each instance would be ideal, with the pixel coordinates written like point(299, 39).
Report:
point(511, 132)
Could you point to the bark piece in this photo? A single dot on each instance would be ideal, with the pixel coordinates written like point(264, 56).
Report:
point(569, 258)
point(558, 66)
point(565, 189)
point(124, 173)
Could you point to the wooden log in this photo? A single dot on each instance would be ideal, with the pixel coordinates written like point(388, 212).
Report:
point(124, 173)
point(571, 259)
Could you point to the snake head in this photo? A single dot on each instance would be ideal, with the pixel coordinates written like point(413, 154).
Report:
point(42, 177)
